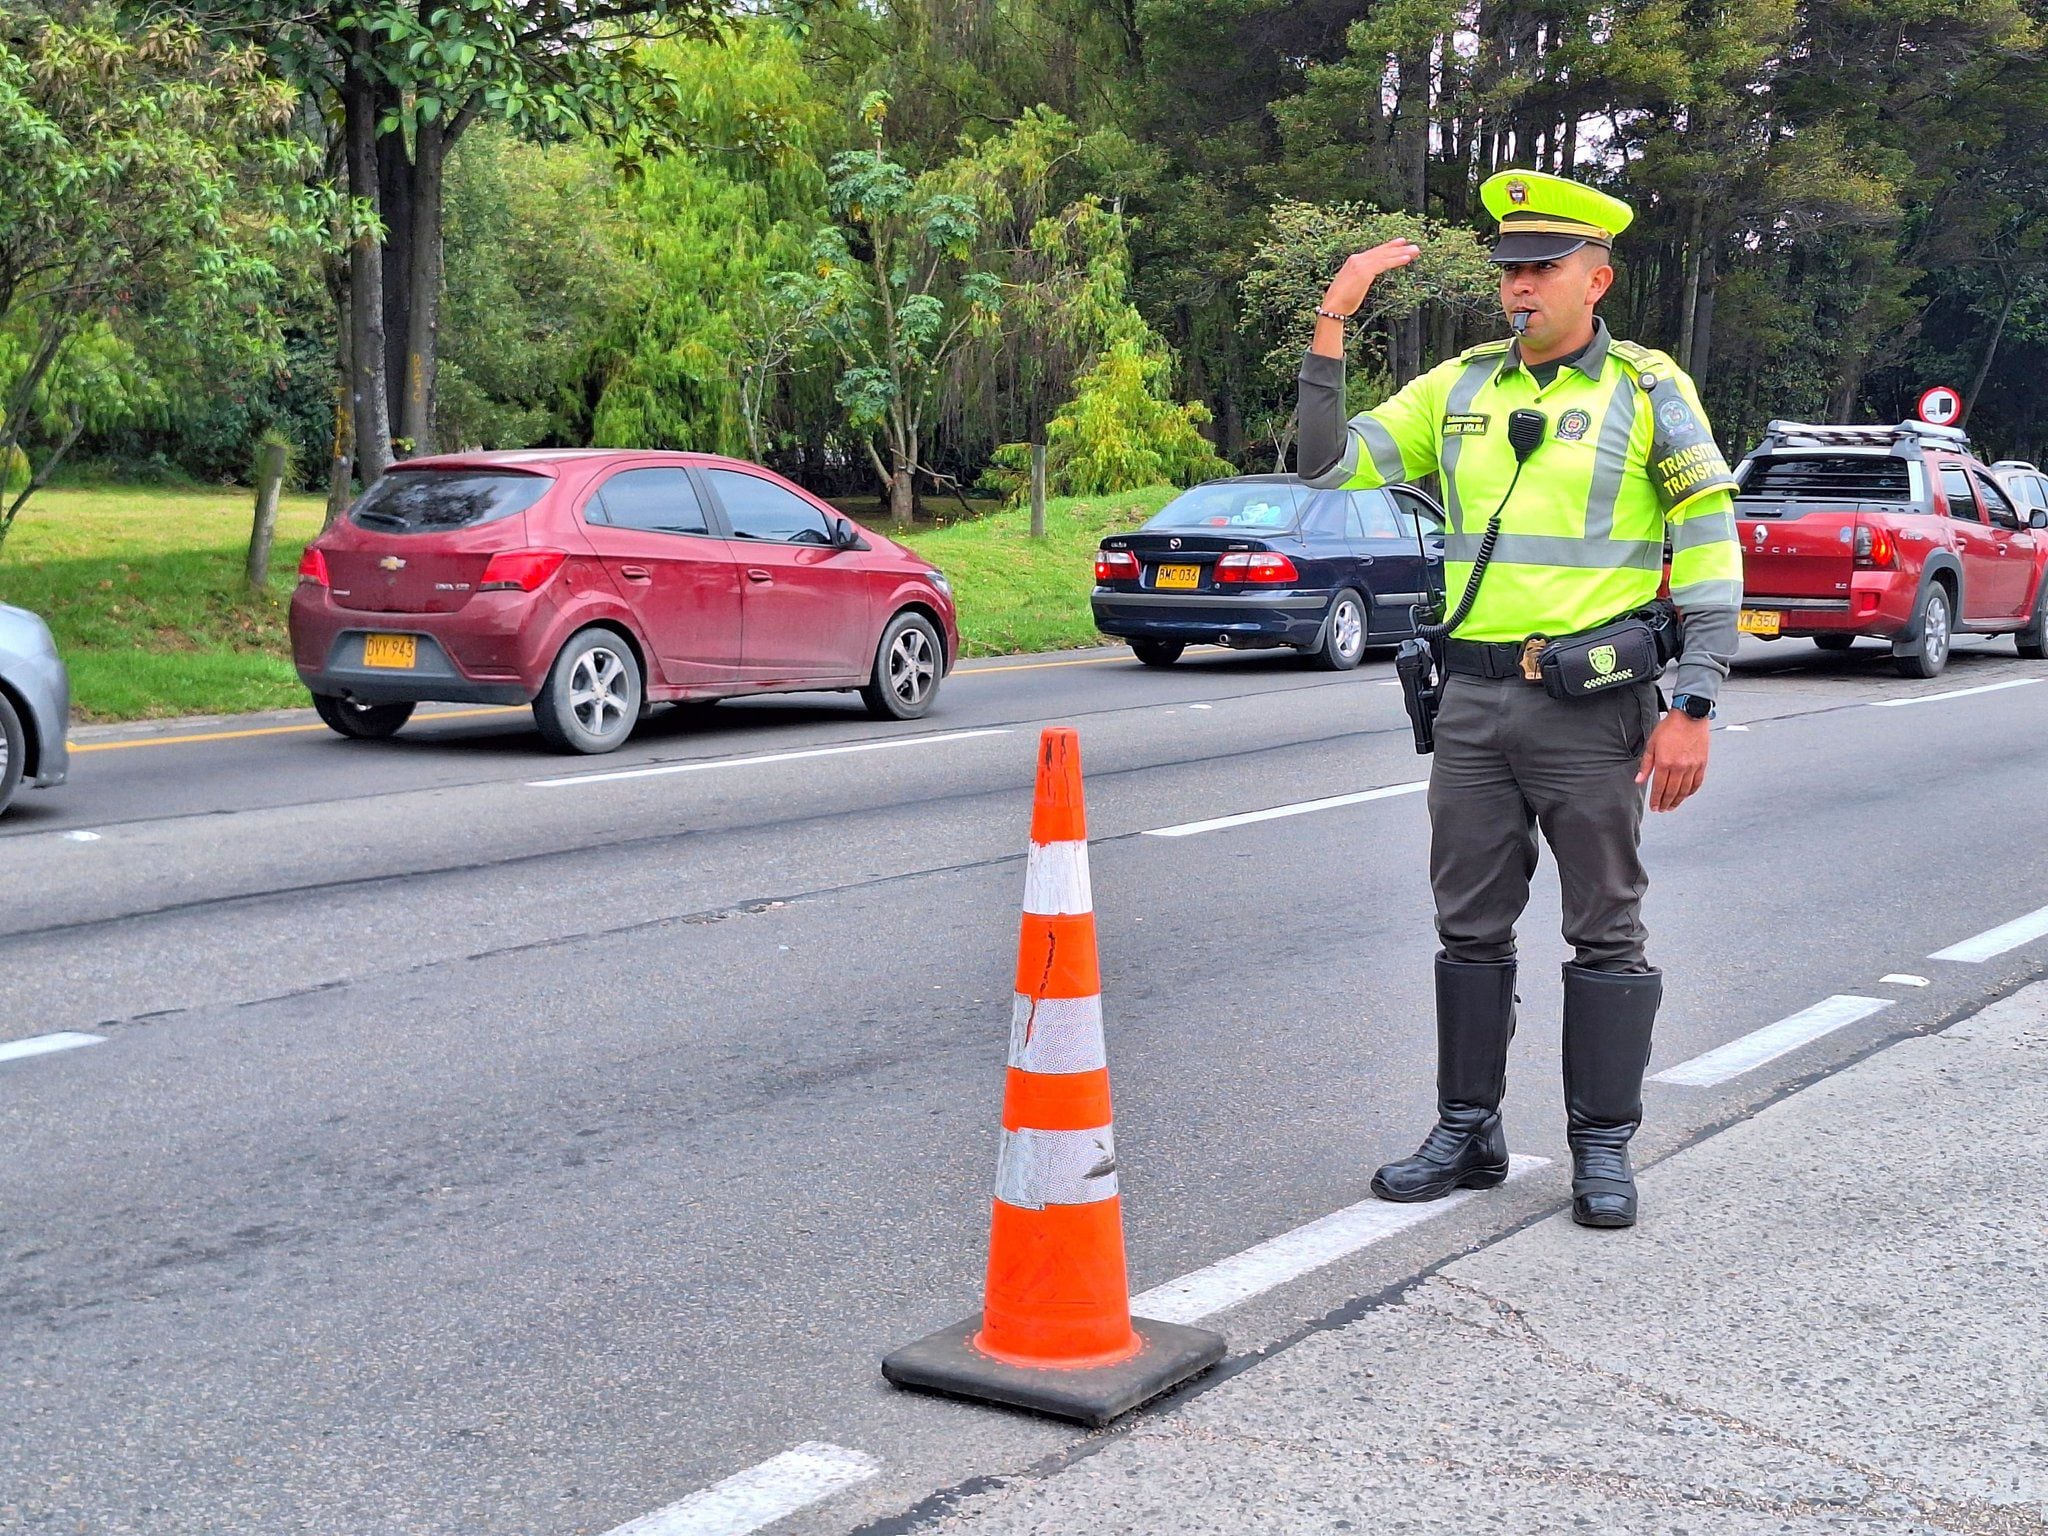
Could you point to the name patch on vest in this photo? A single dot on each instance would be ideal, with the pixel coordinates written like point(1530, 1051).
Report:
point(1465, 425)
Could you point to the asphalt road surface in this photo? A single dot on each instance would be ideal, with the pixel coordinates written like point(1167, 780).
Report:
point(471, 1140)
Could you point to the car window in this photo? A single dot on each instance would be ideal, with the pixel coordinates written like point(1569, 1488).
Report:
point(1997, 503)
point(652, 500)
point(761, 509)
point(1326, 518)
point(1261, 504)
point(1962, 502)
point(1372, 518)
point(436, 500)
point(1412, 509)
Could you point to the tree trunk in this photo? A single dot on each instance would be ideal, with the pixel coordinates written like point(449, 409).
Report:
point(1703, 317)
point(1689, 289)
point(423, 291)
point(902, 502)
point(1038, 490)
point(1984, 362)
point(395, 205)
point(269, 481)
point(341, 452)
point(370, 403)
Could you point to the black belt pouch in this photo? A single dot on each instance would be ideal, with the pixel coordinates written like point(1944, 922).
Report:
point(1616, 655)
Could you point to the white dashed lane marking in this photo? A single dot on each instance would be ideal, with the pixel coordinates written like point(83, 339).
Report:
point(1309, 1247)
point(1771, 1042)
point(1953, 693)
point(1993, 942)
point(761, 1495)
point(43, 1045)
point(706, 765)
point(1275, 813)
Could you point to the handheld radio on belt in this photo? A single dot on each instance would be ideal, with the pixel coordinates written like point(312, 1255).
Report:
point(1419, 663)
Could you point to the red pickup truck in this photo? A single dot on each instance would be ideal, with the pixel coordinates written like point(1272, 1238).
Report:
point(1893, 532)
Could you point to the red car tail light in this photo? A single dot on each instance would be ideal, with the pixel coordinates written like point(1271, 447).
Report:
point(1873, 547)
point(1116, 565)
point(1263, 567)
point(313, 567)
point(520, 570)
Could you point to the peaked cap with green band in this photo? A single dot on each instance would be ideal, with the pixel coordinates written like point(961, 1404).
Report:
point(1544, 217)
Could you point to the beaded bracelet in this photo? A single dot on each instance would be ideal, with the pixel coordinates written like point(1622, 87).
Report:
point(1330, 314)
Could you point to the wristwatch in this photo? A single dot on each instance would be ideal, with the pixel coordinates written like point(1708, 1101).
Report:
point(1695, 706)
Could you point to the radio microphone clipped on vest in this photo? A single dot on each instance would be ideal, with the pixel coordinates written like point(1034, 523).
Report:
point(1419, 665)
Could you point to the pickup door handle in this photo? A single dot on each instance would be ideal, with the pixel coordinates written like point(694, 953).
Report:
point(755, 573)
point(635, 573)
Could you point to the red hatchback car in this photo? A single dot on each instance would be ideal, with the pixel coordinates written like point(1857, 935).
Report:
point(592, 582)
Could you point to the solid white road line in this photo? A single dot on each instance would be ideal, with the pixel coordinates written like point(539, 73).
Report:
point(707, 764)
point(1217, 824)
point(1772, 1041)
point(1993, 942)
point(1901, 979)
point(42, 1045)
point(1293, 1254)
point(1953, 693)
point(760, 1495)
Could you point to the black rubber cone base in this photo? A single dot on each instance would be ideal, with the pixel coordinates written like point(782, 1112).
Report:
point(948, 1362)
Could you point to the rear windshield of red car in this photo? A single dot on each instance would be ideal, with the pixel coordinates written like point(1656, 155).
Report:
point(437, 500)
point(1828, 477)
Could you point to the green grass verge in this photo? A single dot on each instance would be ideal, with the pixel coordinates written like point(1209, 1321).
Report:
point(143, 588)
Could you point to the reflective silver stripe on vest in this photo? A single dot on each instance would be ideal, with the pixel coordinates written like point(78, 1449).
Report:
point(1385, 452)
point(1708, 594)
point(1057, 1034)
point(1056, 880)
point(1558, 549)
point(1714, 528)
point(1345, 467)
point(1462, 394)
point(1610, 457)
point(1040, 1168)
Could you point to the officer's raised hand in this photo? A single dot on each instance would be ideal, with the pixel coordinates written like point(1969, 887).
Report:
point(1677, 757)
point(1355, 278)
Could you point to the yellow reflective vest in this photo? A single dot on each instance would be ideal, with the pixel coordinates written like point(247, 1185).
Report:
point(1626, 459)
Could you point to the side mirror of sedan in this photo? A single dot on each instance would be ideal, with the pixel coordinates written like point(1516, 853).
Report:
point(2037, 518)
point(843, 536)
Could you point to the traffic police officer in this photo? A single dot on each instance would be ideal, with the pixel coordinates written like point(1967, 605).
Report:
point(1626, 461)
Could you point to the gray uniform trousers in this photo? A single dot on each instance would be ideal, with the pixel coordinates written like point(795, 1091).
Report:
point(1510, 759)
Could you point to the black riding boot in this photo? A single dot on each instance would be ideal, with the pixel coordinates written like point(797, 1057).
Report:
point(1607, 1019)
point(1467, 1149)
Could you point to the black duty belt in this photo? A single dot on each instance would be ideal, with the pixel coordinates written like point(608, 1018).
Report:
point(1484, 658)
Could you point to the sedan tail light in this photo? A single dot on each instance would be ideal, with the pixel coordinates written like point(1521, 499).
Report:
point(521, 570)
point(1116, 565)
point(313, 567)
point(1263, 567)
point(1874, 547)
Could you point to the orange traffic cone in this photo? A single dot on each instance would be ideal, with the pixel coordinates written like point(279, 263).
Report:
point(1056, 1333)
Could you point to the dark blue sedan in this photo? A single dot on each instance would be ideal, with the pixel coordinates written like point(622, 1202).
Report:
point(1262, 560)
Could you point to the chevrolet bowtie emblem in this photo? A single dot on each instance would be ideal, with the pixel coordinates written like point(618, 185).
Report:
point(391, 563)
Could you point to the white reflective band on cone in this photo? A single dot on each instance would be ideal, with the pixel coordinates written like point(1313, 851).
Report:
point(1057, 1034)
point(1056, 880)
point(1040, 1168)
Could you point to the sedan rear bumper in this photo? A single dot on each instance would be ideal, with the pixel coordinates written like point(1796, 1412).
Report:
point(1273, 618)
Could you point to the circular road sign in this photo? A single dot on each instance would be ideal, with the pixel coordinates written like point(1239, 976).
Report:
point(1940, 406)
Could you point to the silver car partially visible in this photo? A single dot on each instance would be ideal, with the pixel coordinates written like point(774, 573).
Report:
point(35, 704)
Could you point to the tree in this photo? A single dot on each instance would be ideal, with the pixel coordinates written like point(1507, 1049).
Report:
point(148, 178)
point(897, 292)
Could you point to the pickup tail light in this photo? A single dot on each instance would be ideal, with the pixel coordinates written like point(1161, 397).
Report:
point(1262, 567)
point(1115, 565)
point(1874, 547)
point(520, 570)
point(313, 567)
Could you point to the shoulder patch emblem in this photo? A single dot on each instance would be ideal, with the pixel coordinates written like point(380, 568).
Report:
point(1573, 425)
point(1674, 415)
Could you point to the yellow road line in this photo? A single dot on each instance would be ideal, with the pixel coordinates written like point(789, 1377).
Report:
point(265, 730)
point(1079, 661)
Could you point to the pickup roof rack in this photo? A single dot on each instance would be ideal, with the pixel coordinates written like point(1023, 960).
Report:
point(1906, 438)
